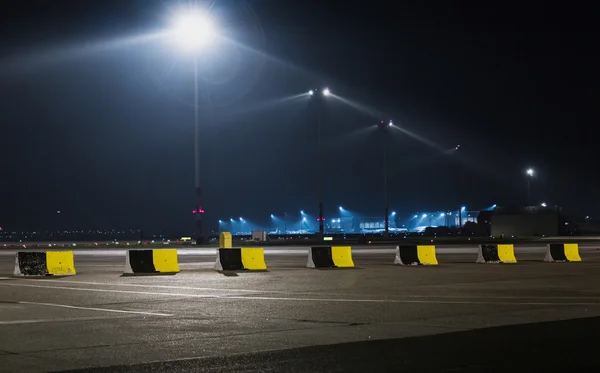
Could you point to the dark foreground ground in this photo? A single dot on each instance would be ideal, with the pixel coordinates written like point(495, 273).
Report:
point(562, 346)
point(458, 316)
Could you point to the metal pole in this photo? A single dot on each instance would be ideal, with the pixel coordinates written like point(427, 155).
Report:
point(385, 188)
point(528, 191)
point(198, 188)
point(320, 169)
point(460, 217)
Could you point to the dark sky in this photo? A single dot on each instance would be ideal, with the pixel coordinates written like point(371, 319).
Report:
point(99, 124)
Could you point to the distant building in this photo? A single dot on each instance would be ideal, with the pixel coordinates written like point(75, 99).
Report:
point(375, 225)
point(527, 221)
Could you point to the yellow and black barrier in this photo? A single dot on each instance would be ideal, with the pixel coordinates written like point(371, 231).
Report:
point(44, 263)
point(330, 257)
point(415, 255)
point(504, 253)
point(151, 261)
point(559, 252)
point(237, 259)
point(225, 240)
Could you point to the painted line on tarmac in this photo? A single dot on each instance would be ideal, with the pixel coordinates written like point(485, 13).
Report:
point(69, 319)
point(296, 299)
point(65, 282)
point(482, 296)
point(96, 309)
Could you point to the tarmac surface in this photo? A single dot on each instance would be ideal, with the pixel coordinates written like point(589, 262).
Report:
point(458, 316)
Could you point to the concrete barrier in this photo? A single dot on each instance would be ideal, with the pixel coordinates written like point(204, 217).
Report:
point(415, 255)
point(237, 259)
point(330, 257)
point(44, 263)
point(504, 253)
point(151, 261)
point(558, 252)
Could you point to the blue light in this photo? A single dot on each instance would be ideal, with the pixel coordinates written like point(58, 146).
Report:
point(241, 219)
point(272, 216)
point(443, 214)
point(393, 213)
point(416, 216)
point(232, 220)
point(220, 221)
point(463, 208)
point(424, 215)
point(304, 218)
point(301, 212)
point(341, 208)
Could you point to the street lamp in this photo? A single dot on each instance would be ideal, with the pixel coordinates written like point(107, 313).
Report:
point(193, 30)
point(319, 99)
point(529, 174)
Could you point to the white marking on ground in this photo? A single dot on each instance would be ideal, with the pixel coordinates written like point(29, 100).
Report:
point(69, 319)
point(65, 282)
point(297, 299)
point(96, 309)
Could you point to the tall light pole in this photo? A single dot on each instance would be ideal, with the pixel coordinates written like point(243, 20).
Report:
point(319, 97)
point(530, 174)
point(193, 31)
point(384, 126)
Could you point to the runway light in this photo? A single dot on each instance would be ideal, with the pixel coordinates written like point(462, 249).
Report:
point(326, 92)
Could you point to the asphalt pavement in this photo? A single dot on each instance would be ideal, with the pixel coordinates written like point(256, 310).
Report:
point(458, 316)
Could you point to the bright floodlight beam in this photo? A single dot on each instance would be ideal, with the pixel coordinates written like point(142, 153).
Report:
point(311, 92)
point(326, 92)
point(193, 30)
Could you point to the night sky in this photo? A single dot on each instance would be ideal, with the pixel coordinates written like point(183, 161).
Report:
point(96, 120)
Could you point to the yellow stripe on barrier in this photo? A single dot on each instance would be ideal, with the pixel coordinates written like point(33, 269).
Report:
point(426, 254)
point(572, 252)
point(60, 263)
point(506, 253)
point(342, 256)
point(254, 259)
point(165, 261)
